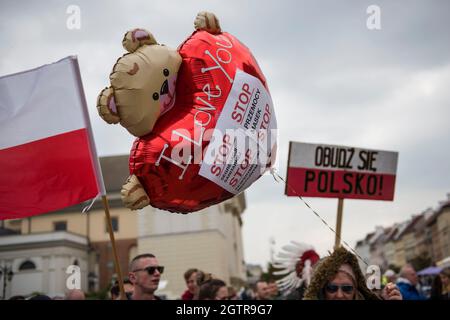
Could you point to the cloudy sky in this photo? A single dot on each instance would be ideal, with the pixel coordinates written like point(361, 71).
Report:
point(332, 81)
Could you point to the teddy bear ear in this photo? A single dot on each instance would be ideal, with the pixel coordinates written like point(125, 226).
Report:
point(136, 38)
point(106, 106)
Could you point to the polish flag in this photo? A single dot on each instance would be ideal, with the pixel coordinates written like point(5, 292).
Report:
point(48, 159)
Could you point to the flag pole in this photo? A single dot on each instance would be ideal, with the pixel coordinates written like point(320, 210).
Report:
point(99, 175)
point(113, 244)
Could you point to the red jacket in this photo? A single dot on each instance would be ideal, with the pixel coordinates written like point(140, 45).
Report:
point(187, 295)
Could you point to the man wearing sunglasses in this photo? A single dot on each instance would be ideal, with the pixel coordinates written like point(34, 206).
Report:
point(145, 273)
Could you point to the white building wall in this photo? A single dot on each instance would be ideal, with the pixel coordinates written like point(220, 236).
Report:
point(51, 262)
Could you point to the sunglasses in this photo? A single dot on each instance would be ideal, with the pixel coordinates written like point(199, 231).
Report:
point(333, 288)
point(151, 270)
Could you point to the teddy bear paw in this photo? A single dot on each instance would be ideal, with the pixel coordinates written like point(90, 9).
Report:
point(207, 21)
point(133, 194)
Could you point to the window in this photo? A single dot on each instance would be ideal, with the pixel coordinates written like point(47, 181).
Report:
point(110, 265)
point(27, 265)
point(60, 226)
point(114, 223)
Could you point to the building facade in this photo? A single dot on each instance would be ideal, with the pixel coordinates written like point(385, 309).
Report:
point(443, 232)
point(363, 249)
point(423, 239)
point(209, 240)
point(40, 262)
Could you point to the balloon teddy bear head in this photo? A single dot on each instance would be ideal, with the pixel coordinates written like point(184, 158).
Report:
point(143, 80)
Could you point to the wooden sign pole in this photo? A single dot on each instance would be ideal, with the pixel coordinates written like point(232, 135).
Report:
point(337, 240)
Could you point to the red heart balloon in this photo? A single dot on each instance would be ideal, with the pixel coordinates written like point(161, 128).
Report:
point(220, 87)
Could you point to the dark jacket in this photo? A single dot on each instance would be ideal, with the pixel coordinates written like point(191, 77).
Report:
point(297, 293)
point(130, 296)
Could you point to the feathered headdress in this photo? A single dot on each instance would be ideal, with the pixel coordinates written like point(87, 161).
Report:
point(295, 261)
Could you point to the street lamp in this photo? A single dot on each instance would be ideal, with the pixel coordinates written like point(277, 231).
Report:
point(7, 274)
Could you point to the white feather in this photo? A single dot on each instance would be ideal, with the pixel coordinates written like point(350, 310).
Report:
point(286, 261)
point(287, 255)
point(281, 272)
point(291, 248)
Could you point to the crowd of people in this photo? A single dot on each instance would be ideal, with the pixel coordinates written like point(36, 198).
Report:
point(335, 277)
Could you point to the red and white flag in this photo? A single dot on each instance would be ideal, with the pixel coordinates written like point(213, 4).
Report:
point(48, 159)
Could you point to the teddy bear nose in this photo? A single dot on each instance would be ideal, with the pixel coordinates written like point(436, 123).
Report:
point(164, 88)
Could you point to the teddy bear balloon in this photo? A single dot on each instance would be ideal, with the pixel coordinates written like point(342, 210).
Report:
point(202, 115)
